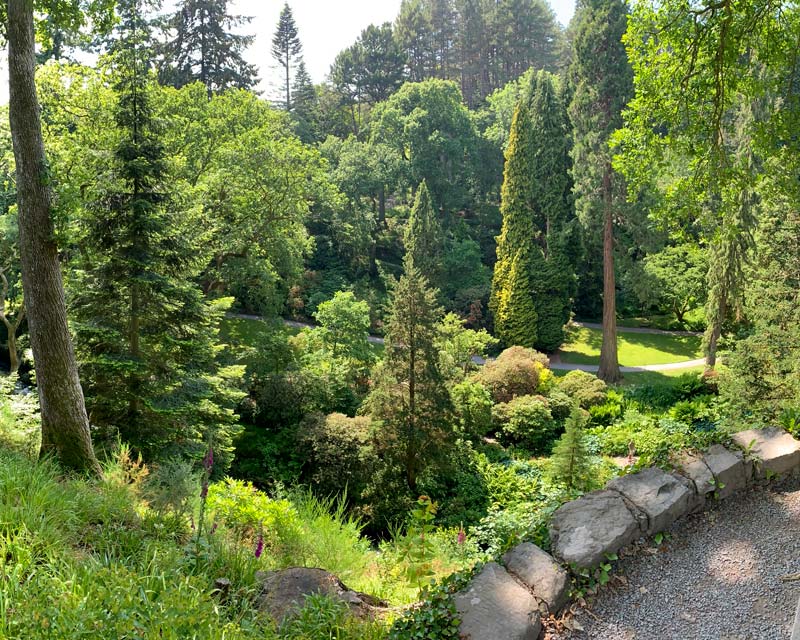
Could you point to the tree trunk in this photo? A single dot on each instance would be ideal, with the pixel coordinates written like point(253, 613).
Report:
point(13, 354)
point(713, 333)
point(609, 363)
point(65, 425)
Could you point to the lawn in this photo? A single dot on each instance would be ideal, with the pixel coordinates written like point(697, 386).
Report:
point(635, 349)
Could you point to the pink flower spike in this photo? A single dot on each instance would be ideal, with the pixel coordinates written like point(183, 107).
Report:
point(204, 490)
point(259, 546)
point(208, 461)
point(462, 536)
point(213, 529)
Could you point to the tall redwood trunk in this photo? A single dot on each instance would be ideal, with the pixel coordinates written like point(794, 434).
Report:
point(609, 363)
point(65, 425)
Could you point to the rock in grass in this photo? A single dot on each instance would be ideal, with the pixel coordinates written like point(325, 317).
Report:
point(497, 607)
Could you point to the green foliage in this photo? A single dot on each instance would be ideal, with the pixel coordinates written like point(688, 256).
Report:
point(340, 459)
point(675, 279)
point(585, 388)
point(570, 464)
point(325, 617)
point(459, 345)
point(436, 616)
point(528, 422)
point(517, 371)
point(473, 406)
point(415, 547)
point(424, 238)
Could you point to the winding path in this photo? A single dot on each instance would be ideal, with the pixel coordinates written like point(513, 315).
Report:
point(718, 577)
point(555, 360)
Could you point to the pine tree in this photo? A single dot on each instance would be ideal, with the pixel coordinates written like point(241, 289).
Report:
point(603, 83)
point(202, 46)
point(413, 32)
point(424, 237)
point(570, 463)
point(286, 49)
point(516, 319)
point(410, 400)
point(305, 106)
point(144, 329)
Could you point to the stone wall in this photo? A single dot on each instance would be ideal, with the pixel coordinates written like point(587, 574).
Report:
point(506, 602)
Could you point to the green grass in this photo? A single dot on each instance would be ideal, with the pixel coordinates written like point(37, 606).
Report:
point(635, 349)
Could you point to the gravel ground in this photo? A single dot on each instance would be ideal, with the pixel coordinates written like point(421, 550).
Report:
point(717, 577)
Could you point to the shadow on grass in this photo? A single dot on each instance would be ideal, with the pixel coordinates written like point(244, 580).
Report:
point(635, 349)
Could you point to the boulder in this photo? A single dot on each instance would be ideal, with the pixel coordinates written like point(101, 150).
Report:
point(285, 591)
point(547, 580)
point(659, 495)
point(583, 531)
point(728, 469)
point(773, 449)
point(692, 468)
point(495, 607)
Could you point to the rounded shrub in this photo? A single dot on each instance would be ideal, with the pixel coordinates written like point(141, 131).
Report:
point(517, 371)
point(585, 388)
point(527, 421)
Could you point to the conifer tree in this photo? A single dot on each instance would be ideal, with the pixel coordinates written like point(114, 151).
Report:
point(305, 106)
point(569, 463)
point(202, 46)
point(424, 237)
point(516, 320)
point(535, 209)
point(144, 329)
point(286, 49)
point(603, 83)
point(410, 400)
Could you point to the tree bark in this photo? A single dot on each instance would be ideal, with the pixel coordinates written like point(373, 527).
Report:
point(65, 425)
point(609, 363)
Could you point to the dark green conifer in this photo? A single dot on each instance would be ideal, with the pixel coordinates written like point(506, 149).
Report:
point(287, 49)
point(570, 462)
point(424, 237)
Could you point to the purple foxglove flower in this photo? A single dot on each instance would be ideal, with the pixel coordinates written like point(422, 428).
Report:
point(259, 546)
point(208, 461)
point(204, 490)
point(213, 528)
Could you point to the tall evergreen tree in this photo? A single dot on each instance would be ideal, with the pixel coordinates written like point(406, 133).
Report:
point(602, 79)
point(536, 209)
point(570, 463)
point(145, 330)
point(202, 46)
point(305, 106)
point(424, 237)
point(286, 49)
point(410, 400)
point(413, 32)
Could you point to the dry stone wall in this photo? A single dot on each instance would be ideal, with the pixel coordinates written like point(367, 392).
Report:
point(506, 602)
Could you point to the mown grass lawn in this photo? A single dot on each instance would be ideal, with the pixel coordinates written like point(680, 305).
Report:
point(635, 349)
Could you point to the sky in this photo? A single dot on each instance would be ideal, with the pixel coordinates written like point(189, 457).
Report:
point(325, 27)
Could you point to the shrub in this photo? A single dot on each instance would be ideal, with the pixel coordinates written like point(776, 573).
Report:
point(610, 410)
point(527, 421)
point(586, 389)
point(473, 404)
point(340, 456)
point(517, 371)
point(561, 405)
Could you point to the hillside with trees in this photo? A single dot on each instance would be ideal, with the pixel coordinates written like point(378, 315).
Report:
point(384, 324)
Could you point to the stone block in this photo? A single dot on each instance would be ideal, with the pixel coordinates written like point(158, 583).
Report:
point(773, 449)
point(583, 531)
point(495, 607)
point(547, 580)
point(692, 467)
point(659, 495)
point(728, 468)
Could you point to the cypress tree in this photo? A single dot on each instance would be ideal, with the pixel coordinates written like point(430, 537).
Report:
point(536, 210)
point(286, 49)
point(144, 329)
point(603, 83)
point(203, 47)
point(305, 106)
point(424, 237)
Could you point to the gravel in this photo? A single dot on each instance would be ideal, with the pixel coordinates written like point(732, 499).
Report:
point(716, 577)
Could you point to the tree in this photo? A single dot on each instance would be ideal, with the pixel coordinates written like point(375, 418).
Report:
point(536, 210)
point(305, 107)
point(570, 462)
point(145, 331)
point(344, 323)
point(286, 48)
point(380, 63)
point(410, 400)
point(602, 79)
point(413, 31)
point(676, 278)
point(65, 425)
point(424, 238)
point(203, 46)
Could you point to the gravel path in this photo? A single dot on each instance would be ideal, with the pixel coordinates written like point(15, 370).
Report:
point(717, 578)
